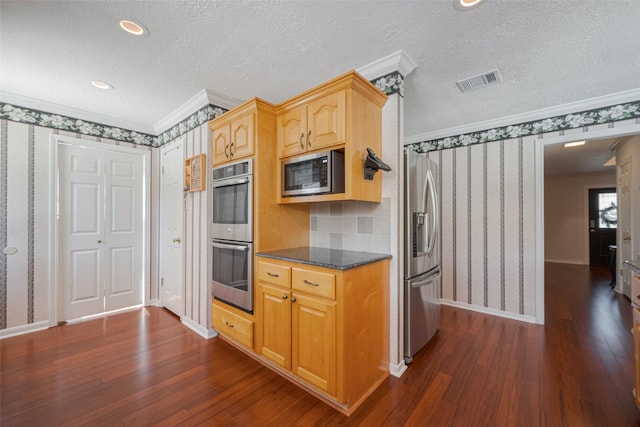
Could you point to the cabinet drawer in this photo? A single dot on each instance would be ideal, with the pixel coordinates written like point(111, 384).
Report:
point(232, 325)
point(273, 273)
point(314, 282)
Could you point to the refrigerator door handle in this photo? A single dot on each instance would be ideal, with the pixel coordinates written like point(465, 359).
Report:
point(434, 214)
point(432, 278)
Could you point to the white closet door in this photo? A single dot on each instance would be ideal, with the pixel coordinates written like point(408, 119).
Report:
point(81, 216)
point(123, 230)
point(172, 217)
point(100, 230)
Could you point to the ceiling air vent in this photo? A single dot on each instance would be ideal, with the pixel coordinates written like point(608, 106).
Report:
point(479, 81)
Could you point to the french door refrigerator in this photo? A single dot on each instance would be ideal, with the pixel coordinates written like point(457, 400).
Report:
point(421, 253)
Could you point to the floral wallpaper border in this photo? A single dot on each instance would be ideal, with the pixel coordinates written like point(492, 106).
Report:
point(390, 83)
point(609, 114)
point(56, 121)
point(196, 119)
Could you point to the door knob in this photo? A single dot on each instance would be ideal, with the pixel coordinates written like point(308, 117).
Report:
point(626, 238)
point(284, 297)
point(177, 240)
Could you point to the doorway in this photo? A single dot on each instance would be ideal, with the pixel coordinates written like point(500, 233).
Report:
point(603, 224)
point(100, 227)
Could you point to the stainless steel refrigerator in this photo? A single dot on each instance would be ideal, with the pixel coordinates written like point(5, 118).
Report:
point(421, 253)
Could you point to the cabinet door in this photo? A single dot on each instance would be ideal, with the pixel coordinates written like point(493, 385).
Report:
point(276, 325)
point(242, 137)
point(220, 141)
point(313, 331)
point(292, 132)
point(326, 119)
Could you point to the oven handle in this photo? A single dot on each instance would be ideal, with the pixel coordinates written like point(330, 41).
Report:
point(228, 246)
point(229, 182)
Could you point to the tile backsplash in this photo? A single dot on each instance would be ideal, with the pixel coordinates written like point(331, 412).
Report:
point(351, 225)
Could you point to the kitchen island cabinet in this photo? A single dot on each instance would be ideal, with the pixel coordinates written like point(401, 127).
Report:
point(324, 324)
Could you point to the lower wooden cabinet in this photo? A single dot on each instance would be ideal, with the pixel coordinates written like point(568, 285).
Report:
point(326, 328)
point(232, 323)
point(313, 341)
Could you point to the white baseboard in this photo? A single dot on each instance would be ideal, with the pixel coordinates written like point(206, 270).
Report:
point(155, 303)
point(492, 311)
point(566, 261)
point(198, 329)
point(24, 329)
point(397, 370)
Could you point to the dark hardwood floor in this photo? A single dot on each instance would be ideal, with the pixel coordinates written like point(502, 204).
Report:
point(144, 367)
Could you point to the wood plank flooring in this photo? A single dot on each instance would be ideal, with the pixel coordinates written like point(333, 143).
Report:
point(145, 368)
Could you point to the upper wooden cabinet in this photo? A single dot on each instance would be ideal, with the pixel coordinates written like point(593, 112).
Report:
point(233, 135)
point(317, 125)
point(342, 114)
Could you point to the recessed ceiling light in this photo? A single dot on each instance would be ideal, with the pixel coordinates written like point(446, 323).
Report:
point(467, 4)
point(101, 85)
point(133, 27)
point(574, 144)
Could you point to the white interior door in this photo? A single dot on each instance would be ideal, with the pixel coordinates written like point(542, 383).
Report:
point(100, 230)
point(171, 225)
point(624, 225)
point(123, 230)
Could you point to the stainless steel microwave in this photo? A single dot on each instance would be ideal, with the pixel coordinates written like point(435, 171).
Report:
point(317, 173)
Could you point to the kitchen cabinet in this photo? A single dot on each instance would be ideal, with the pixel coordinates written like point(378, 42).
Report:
point(316, 125)
point(323, 328)
point(232, 323)
point(343, 114)
point(233, 134)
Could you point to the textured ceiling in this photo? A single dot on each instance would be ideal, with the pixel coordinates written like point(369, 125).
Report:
point(549, 52)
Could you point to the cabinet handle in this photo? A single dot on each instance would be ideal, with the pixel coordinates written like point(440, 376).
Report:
point(228, 324)
point(309, 138)
point(284, 297)
point(99, 241)
point(272, 274)
point(293, 299)
point(301, 138)
point(231, 149)
point(311, 283)
point(226, 153)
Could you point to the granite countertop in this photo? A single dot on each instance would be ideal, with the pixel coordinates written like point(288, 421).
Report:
point(634, 267)
point(324, 257)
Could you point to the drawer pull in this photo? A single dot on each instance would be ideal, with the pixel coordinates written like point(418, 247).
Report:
point(228, 324)
point(311, 283)
point(272, 274)
point(284, 297)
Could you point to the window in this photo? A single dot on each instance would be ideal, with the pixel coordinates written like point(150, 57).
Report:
point(607, 210)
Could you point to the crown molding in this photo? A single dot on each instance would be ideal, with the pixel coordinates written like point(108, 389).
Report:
point(398, 61)
point(221, 100)
point(559, 110)
point(62, 110)
point(199, 100)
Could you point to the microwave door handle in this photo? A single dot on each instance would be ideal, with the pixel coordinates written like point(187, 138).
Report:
point(434, 215)
point(229, 182)
point(228, 246)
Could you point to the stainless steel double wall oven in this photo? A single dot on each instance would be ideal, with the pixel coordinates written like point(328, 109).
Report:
point(232, 234)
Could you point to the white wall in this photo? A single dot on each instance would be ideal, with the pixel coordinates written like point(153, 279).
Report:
point(25, 221)
point(566, 214)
